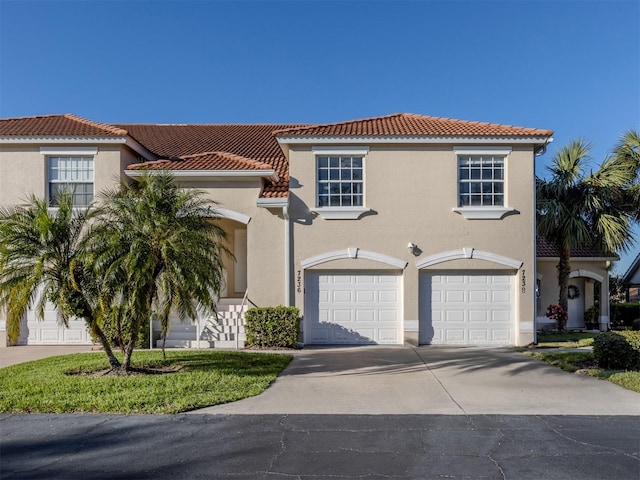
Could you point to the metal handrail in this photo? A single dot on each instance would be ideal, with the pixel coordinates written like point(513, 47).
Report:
point(244, 301)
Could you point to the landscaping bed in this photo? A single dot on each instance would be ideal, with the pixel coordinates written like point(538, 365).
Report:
point(185, 381)
point(550, 349)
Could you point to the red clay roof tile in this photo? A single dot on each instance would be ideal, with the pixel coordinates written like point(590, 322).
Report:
point(255, 142)
point(66, 125)
point(204, 161)
point(411, 125)
point(545, 248)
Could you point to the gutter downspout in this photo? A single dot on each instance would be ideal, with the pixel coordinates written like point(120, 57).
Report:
point(287, 256)
point(536, 153)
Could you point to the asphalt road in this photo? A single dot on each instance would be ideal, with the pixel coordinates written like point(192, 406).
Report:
point(305, 447)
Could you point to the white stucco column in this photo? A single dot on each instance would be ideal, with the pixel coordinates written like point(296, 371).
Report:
point(604, 303)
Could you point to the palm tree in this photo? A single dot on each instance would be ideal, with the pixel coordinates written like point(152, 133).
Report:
point(627, 150)
point(577, 208)
point(158, 251)
point(41, 259)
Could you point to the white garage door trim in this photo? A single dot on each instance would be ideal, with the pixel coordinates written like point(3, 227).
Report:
point(353, 307)
point(467, 308)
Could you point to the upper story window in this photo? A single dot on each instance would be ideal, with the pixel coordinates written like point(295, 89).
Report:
point(74, 174)
point(482, 184)
point(480, 180)
point(340, 181)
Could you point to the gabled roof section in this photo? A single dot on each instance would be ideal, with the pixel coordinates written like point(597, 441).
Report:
point(412, 125)
point(66, 125)
point(544, 248)
point(205, 161)
point(253, 142)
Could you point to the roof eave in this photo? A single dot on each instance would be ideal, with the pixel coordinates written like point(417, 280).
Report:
point(209, 175)
point(429, 139)
point(78, 139)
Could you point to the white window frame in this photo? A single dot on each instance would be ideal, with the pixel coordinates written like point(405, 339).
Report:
point(483, 212)
point(68, 152)
point(347, 212)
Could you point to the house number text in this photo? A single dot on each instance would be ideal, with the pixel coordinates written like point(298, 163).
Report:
point(523, 282)
point(299, 281)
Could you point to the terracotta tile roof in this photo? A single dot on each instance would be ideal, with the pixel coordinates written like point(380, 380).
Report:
point(57, 126)
point(204, 161)
point(544, 248)
point(255, 142)
point(412, 125)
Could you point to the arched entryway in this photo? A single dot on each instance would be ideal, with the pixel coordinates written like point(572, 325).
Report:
point(584, 292)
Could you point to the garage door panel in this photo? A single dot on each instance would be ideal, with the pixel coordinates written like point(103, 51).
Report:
point(365, 296)
point(388, 316)
point(478, 296)
point(466, 309)
point(364, 308)
point(365, 316)
point(388, 296)
point(451, 316)
point(453, 296)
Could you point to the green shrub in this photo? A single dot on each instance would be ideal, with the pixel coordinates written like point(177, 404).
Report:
point(636, 324)
point(273, 327)
point(617, 350)
point(623, 314)
point(592, 317)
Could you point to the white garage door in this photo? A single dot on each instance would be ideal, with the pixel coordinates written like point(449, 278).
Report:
point(34, 331)
point(353, 308)
point(466, 309)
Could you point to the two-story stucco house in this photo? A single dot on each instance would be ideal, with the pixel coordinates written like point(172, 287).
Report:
point(372, 227)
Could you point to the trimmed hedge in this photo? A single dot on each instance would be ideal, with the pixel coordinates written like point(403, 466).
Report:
point(623, 314)
point(273, 327)
point(617, 350)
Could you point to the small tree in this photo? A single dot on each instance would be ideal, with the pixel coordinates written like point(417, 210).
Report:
point(42, 259)
point(159, 252)
point(577, 208)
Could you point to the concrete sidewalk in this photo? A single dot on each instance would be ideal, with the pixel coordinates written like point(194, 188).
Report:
point(27, 353)
point(431, 380)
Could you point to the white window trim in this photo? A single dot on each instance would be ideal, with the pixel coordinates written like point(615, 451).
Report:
point(79, 151)
point(492, 212)
point(48, 152)
point(342, 213)
point(483, 213)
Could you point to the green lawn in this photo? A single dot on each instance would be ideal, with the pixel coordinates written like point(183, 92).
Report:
point(584, 361)
point(206, 378)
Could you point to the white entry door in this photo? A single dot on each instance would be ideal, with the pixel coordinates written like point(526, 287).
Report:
point(475, 309)
point(353, 308)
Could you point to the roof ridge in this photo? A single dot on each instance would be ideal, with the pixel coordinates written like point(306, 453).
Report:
point(345, 122)
point(231, 156)
point(105, 126)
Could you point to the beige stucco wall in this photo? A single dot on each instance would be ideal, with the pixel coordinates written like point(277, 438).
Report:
point(23, 169)
point(411, 190)
point(265, 237)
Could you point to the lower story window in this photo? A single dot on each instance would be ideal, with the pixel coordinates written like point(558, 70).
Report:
point(73, 174)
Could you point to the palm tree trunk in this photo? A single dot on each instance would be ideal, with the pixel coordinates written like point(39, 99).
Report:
point(97, 331)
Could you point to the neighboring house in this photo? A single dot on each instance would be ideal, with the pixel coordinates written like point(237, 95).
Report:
point(371, 227)
point(631, 281)
point(588, 283)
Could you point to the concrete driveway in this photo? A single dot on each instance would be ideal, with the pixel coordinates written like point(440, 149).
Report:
point(431, 380)
point(27, 353)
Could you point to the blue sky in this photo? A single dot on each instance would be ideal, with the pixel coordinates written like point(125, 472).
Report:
point(569, 66)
